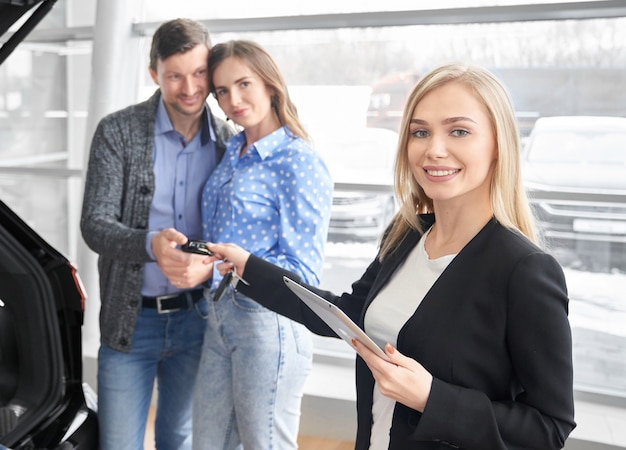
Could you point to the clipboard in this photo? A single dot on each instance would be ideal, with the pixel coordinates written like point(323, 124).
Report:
point(334, 317)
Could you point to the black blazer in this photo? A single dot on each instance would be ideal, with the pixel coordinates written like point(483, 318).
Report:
point(493, 331)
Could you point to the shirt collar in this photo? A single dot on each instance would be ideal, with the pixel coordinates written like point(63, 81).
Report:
point(265, 146)
point(163, 124)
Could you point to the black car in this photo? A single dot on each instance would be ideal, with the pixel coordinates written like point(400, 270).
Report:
point(575, 173)
point(43, 401)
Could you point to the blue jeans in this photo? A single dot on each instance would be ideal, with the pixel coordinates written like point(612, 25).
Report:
point(252, 371)
point(166, 347)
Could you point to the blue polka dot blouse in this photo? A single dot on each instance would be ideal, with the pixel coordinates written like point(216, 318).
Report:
point(274, 201)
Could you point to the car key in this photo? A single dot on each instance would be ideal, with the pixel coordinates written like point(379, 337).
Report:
point(196, 246)
point(231, 278)
point(221, 288)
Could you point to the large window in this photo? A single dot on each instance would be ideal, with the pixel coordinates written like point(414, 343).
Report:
point(349, 82)
point(44, 93)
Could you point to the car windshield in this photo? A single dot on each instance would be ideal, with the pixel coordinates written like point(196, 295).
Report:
point(579, 147)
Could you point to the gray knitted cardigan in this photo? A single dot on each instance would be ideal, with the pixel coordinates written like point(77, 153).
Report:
point(114, 223)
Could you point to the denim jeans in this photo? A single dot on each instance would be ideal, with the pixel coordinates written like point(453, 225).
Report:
point(252, 371)
point(166, 347)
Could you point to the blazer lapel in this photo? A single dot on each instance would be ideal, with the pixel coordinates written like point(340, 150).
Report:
point(465, 259)
point(393, 260)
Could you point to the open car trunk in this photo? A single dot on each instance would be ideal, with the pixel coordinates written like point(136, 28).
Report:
point(42, 403)
point(11, 11)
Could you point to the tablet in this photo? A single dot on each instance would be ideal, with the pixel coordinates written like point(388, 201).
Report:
point(334, 317)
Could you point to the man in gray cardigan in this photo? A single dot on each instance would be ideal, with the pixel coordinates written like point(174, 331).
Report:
point(147, 168)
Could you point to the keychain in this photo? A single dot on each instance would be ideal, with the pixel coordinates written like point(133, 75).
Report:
point(230, 278)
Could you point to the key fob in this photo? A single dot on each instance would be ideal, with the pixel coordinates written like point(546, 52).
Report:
point(198, 247)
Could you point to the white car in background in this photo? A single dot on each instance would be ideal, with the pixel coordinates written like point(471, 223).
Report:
point(575, 174)
point(361, 164)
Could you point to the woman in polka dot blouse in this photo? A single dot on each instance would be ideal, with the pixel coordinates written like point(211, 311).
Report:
point(272, 195)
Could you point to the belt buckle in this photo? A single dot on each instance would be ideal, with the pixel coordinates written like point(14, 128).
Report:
point(160, 298)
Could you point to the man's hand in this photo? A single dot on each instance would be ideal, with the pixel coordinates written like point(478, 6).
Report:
point(184, 270)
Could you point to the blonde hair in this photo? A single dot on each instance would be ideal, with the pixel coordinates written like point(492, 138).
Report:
point(508, 198)
point(260, 61)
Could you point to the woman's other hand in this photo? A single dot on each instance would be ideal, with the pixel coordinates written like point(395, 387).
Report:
point(401, 378)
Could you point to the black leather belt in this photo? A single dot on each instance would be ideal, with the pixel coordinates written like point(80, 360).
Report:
point(174, 302)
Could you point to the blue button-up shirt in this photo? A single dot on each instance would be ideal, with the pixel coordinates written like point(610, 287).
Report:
point(274, 201)
point(181, 169)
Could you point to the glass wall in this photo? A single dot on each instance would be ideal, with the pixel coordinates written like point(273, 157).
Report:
point(44, 93)
point(349, 85)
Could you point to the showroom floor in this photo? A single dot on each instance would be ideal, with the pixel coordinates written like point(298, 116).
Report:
point(304, 442)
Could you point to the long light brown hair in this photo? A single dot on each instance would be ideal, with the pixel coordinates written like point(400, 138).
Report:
point(260, 61)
